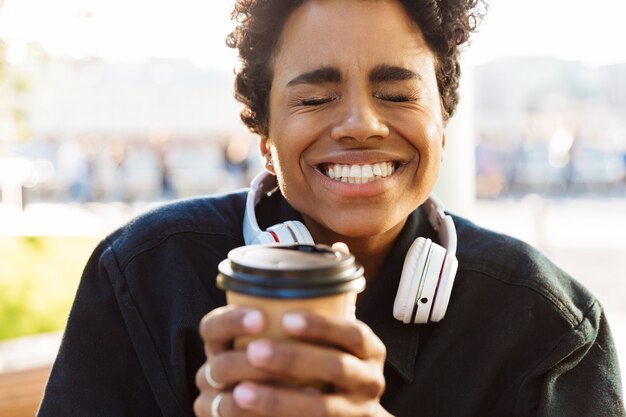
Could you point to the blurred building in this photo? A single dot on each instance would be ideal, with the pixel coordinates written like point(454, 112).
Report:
point(96, 97)
point(122, 132)
point(550, 126)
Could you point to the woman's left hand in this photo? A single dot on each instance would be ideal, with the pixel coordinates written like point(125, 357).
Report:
point(345, 354)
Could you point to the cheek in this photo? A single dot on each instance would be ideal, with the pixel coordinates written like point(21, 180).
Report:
point(433, 144)
point(429, 145)
point(287, 167)
point(426, 135)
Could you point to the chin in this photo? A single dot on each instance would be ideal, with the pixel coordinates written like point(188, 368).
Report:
point(353, 223)
point(359, 230)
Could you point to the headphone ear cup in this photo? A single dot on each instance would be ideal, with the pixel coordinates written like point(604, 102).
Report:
point(262, 238)
point(442, 297)
point(302, 234)
point(430, 283)
point(414, 262)
point(291, 232)
point(282, 234)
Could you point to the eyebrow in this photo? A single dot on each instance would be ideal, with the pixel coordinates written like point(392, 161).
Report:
point(319, 76)
point(383, 73)
point(379, 73)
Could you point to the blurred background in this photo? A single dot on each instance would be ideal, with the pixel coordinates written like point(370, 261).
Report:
point(110, 107)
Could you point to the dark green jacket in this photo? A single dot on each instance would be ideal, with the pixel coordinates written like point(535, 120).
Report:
point(520, 337)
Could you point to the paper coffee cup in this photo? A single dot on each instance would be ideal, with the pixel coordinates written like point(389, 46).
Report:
point(281, 278)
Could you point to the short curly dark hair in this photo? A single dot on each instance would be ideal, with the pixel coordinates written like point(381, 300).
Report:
point(445, 24)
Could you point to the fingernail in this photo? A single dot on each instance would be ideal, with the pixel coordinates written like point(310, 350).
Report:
point(341, 247)
point(294, 323)
point(244, 395)
point(253, 320)
point(259, 350)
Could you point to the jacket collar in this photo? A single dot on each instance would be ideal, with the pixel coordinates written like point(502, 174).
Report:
point(376, 306)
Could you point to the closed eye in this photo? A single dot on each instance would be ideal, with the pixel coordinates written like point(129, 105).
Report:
point(314, 101)
point(396, 98)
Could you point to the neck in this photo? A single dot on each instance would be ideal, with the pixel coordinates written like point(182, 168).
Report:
point(370, 251)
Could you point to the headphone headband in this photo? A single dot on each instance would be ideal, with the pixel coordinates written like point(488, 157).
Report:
point(260, 186)
point(442, 223)
point(291, 231)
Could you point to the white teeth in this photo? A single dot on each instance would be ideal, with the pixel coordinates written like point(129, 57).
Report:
point(359, 174)
point(376, 170)
point(367, 171)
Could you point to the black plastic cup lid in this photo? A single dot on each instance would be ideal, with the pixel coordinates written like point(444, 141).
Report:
point(289, 271)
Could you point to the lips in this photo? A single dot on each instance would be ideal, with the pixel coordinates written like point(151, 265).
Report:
point(358, 174)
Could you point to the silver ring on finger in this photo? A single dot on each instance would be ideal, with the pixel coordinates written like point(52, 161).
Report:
point(209, 378)
point(215, 405)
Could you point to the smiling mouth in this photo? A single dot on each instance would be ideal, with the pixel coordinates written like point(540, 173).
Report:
point(358, 174)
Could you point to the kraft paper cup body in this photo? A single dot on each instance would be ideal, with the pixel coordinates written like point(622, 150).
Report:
point(340, 305)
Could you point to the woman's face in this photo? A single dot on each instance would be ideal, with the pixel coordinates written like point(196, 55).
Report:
point(355, 126)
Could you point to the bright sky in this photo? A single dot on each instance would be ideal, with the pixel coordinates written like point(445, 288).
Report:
point(588, 31)
point(134, 30)
point(123, 30)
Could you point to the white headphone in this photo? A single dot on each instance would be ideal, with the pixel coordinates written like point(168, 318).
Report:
point(428, 271)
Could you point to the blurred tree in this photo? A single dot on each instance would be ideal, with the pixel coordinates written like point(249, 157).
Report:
point(14, 85)
point(3, 91)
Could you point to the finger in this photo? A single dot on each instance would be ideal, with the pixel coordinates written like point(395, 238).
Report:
point(353, 336)
point(227, 406)
point(341, 247)
point(202, 404)
point(284, 402)
point(219, 327)
point(202, 381)
point(308, 362)
point(231, 367)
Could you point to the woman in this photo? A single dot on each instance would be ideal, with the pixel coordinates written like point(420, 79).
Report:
point(329, 84)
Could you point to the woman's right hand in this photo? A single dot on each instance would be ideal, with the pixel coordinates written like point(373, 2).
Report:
point(228, 367)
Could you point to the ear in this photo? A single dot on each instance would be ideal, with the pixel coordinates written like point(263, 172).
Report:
point(266, 154)
point(443, 145)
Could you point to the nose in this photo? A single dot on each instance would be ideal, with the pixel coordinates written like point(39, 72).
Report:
point(360, 120)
